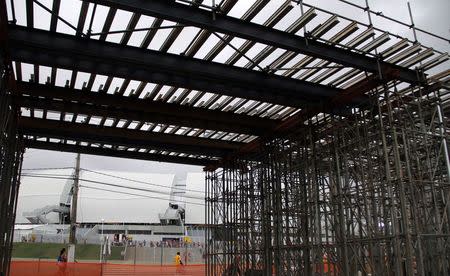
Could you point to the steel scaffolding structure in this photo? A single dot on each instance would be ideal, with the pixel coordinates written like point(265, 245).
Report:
point(366, 194)
point(11, 153)
point(325, 137)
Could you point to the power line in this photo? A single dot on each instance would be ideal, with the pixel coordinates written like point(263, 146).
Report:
point(68, 176)
point(126, 193)
point(115, 198)
point(139, 181)
point(39, 195)
point(84, 197)
point(43, 169)
point(114, 176)
point(109, 184)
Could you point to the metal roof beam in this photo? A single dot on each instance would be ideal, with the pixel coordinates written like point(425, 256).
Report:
point(184, 14)
point(116, 153)
point(125, 137)
point(55, 12)
point(30, 13)
point(296, 122)
point(106, 105)
point(70, 52)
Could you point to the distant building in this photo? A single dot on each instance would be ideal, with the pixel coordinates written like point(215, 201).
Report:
point(144, 206)
point(120, 205)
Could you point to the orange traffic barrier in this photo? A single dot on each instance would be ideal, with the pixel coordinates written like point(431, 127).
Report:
point(51, 268)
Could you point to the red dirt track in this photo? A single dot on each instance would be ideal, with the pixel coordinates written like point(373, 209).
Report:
point(50, 268)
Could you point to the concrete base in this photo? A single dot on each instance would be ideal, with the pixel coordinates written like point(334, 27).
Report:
point(71, 253)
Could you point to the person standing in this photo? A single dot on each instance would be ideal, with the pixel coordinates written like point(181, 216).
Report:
point(62, 262)
point(178, 263)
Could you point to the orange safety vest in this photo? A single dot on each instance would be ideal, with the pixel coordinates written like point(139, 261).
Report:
point(178, 260)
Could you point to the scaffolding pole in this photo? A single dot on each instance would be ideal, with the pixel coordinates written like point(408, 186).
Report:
point(11, 154)
point(366, 194)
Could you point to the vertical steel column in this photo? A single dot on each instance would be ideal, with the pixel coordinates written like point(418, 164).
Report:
point(11, 152)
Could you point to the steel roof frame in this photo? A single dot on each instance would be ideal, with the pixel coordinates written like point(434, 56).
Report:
point(125, 137)
point(64, 99)
point(69, 52)
point(225, 24)
point(242, 115)
point(117, 153)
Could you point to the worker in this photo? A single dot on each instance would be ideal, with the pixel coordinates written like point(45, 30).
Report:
point(178, 259)
point(178, 263)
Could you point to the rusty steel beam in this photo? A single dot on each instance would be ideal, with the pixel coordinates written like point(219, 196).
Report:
point(125, 137)
point(106, 105)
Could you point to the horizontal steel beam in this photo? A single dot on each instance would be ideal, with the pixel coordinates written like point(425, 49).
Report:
point(232, 26)
point(125, 137)
point(28, 143)
point(295, 123)
point(99, 57)
point(115, 106)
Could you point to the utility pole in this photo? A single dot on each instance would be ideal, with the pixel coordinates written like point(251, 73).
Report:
point(73, 212)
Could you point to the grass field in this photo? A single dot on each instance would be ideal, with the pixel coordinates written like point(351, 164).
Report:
point(51, 251)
